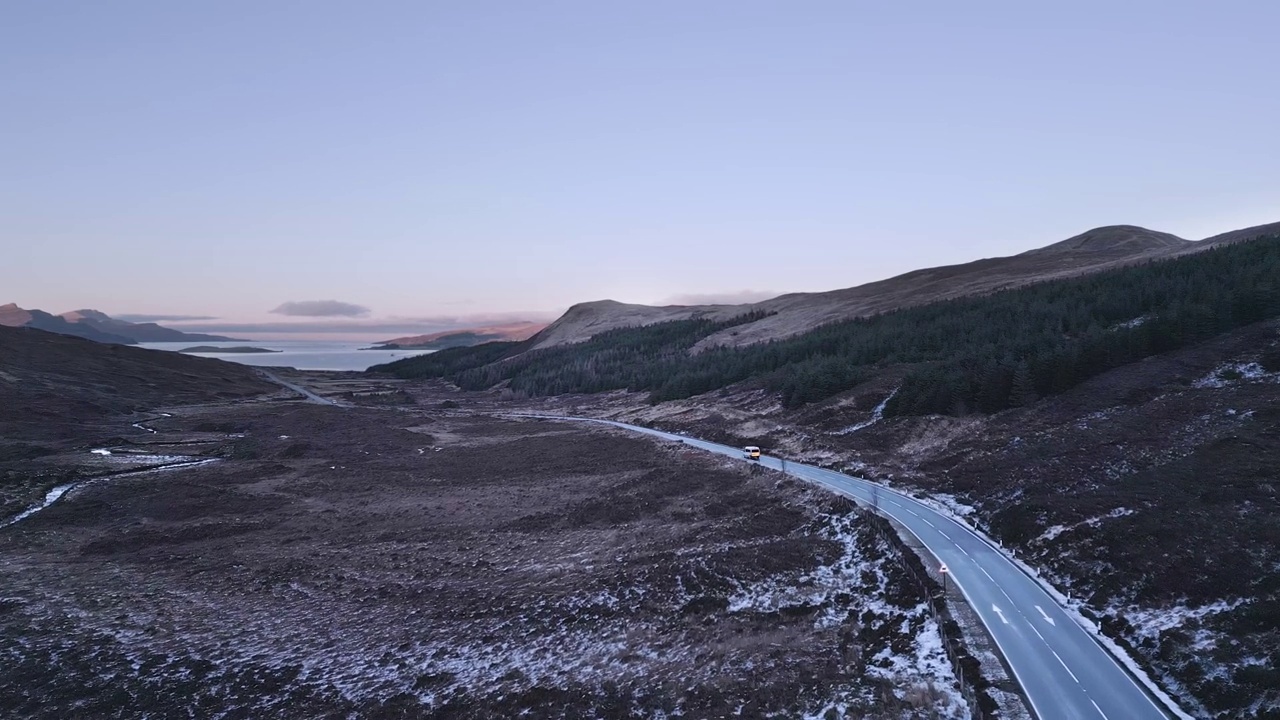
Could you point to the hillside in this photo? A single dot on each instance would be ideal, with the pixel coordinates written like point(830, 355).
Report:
point(985, 353)
point(1236, 236)
point(1116, 241)
point(464, 337)
point(585, 320)
point(52, 384)
point(787, 315)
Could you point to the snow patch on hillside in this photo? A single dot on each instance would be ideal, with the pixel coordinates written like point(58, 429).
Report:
point(1053, 532)
point(922, 677)
point(877, 414)
point(1228, 373)
point(1149, 622)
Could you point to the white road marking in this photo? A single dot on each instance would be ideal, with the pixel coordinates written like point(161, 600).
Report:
point(966, 552)
point(926, 522)
point(984, 572)
point(1003, 619)
point(1064, 666)
point(1095, 707)
point(1045, 615)
point(1037, 632)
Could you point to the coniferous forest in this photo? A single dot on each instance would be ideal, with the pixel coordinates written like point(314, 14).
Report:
point(972, 355)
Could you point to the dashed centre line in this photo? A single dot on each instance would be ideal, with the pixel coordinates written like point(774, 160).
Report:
point(1064, 667)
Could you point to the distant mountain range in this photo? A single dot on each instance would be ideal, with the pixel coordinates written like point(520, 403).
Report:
point(97, 326)
point(464, 338)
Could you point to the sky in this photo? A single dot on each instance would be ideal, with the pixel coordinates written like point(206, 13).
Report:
point(423, 164)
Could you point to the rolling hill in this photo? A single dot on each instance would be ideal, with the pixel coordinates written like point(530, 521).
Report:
point(788, 315)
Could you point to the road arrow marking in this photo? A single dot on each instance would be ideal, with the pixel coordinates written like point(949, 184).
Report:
point(1003, 619)
point(1045, 615)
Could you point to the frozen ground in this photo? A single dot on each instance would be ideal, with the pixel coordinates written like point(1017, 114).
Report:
point(325, 567)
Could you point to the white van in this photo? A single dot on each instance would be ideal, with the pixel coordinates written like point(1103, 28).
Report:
point(751, 452)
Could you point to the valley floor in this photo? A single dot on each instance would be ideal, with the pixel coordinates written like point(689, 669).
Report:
point(430, 562)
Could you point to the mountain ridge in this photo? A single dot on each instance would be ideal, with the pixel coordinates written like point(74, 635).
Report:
point(1094, 250)
point(13, 316)
point(97, 326)
point(140, 332)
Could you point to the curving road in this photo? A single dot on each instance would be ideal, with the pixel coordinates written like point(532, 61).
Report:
point(1064, 672)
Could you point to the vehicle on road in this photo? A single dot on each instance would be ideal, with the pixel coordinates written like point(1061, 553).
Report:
point(751, 452)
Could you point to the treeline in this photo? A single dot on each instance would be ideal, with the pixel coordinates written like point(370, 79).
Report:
point(981, 354)
point(632, 358)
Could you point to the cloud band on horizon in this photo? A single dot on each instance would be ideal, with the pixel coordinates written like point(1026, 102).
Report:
point(146, 318)
point(320, 308)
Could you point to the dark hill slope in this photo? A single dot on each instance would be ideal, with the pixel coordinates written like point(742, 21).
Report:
point(52, 383)
point(982, 354)
point(1096, 250)
point(1235, 236)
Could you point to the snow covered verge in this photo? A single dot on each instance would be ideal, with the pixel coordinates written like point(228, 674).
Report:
point(859, 588)
point(1196, 641)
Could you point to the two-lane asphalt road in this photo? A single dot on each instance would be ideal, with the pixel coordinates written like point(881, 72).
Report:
point(1063, 670)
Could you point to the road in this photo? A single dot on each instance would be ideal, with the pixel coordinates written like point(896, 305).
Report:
point(1064, 672)
point(310, 396)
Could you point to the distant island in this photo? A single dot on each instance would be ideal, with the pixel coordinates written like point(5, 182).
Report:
point(462, 337)
point(209, 349)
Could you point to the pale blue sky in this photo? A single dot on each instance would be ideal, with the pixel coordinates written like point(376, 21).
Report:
point(438, 159)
